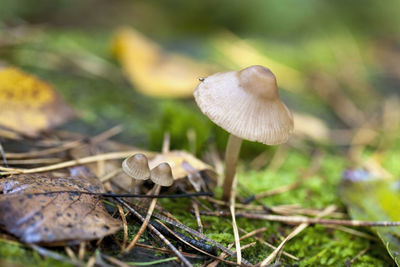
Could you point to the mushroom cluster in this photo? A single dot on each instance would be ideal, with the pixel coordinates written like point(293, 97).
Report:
point(246, 104)
point(137, 167)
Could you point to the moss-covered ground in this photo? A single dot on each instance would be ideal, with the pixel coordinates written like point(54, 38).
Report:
point(106, 100)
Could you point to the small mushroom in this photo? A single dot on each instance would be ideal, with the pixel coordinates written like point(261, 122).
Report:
point(137, 167)
point(245, 103)
point(162, 174)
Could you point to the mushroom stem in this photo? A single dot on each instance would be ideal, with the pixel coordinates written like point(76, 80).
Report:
point(133, 185)
point(231, 158)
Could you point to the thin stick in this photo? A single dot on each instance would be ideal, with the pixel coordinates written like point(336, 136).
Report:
point(3, 155)
point(231, 159)
point(197, 214)
point(195, 233)
point(82, 250)
point(295, 232)
point(301, 219)
point(190, 245)
point(362, 252)
point(146, 220)
point(234, 225)
point(31, 161)
point(85, 160)
point(155, 231)
point(125, 226)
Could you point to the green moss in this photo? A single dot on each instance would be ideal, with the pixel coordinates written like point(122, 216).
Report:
point(16, 253)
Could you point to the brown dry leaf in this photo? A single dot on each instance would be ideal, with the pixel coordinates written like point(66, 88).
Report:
point(184, 164)
point(53, 218)
point(153, 71)
point(29, 105)
point(175, 159)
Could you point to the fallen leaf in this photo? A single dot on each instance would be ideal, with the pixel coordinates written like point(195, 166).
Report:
point(153, 71)
point(184, 164)
point(29, 105)
point(374, 199)
point(53, 218)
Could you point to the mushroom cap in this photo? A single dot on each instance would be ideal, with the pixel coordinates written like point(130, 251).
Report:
point(137, 166)
point(246, 103)
point(162, 174)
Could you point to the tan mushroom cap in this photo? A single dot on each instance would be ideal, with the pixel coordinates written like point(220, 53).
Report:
point(246, 103)
point(137, 167)
point(162, 175)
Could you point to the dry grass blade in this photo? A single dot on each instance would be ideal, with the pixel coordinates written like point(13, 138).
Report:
point(302, 219)
point(125, 226)
point(146, 220)
point(66, 146)
point(66, 164)
point(295, 232)
point(197, 214)
point(234, 225)
point(31, 161)
point(155, 231)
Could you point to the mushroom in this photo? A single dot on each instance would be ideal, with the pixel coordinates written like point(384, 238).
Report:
point(162, 175)
point(137, 167)
point(246, 104)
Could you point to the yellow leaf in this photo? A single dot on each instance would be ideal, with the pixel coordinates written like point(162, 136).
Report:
point(29, 105)
point(153, 71)
point(175, 159)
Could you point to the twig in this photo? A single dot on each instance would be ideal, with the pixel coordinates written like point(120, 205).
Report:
point(85, 160)
point(146, 220)
point(362, 252)
point(197, 214)
point(301, 219)
point(155, 231)
point(31, 161)
point(192, 246)
point(295, 232)
point(125, 226)
point(3, 155)
point(200, 235)
point(82, 250)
